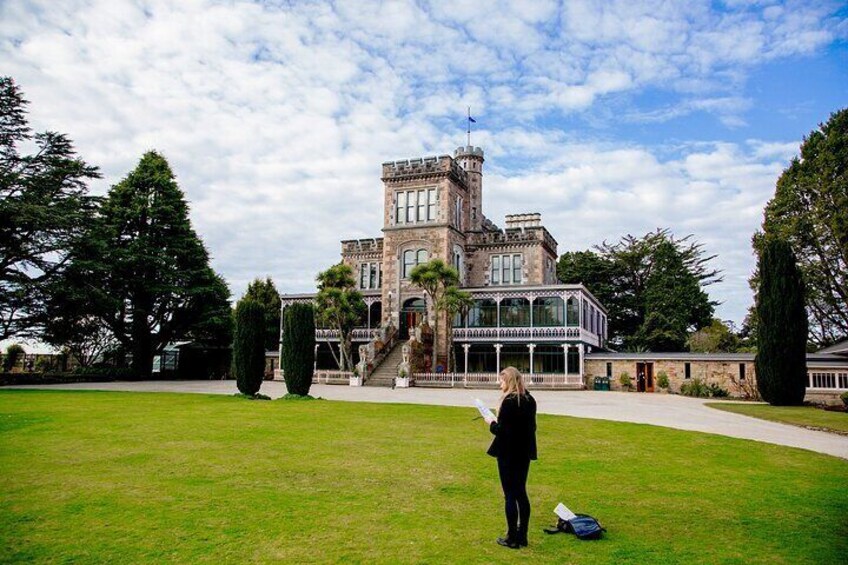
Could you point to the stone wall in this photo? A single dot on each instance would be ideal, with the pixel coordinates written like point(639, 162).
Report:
point(722, 373)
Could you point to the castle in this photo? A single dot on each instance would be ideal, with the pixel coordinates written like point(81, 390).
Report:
point(521, 315)
point(433, 208)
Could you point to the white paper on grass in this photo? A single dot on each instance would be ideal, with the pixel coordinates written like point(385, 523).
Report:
point(484, 410)
point(563, 512)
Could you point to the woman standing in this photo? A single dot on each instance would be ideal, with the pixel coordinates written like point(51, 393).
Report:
point(514, 446)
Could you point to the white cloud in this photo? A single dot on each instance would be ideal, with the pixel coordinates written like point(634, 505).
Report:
point(276, 117)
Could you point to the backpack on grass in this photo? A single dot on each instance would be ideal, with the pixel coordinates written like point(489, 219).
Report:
point(582, 525)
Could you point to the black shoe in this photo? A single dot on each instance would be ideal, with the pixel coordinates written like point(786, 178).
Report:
point(507, 542)
point(521, 540)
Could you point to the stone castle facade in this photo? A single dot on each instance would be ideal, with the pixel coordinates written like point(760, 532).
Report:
point(522, 316)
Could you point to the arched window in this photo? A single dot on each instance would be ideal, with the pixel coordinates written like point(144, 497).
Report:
point(375, 314)
point(421, 256)
point(458, 262)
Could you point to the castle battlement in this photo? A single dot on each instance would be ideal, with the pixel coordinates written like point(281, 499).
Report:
point(513, 235)
point(468, 151)
point(406, 169)
point(369, 245)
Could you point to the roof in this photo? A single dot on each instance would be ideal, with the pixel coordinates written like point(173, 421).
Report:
point(814, 360)
point(840, 348)
point(679, 356)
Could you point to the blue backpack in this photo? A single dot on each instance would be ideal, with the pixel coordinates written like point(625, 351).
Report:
point(582, 525)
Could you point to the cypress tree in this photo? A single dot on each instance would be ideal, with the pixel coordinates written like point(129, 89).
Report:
point(298, 351)
point(249, 346)
point(781, 360)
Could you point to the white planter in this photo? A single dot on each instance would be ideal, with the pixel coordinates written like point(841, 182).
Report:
point(402, 382)
point(355, 381)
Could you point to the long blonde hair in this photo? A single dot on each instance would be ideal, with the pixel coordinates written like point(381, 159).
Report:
point(514, 383)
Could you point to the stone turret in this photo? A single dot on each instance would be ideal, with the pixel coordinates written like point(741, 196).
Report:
point(471, 159)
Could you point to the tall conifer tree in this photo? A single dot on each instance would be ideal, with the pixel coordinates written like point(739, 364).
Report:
point(248, 348)
point(152, 279)
point(781, 361)
point(265, 292)
point(44, 210)
point(298, 349)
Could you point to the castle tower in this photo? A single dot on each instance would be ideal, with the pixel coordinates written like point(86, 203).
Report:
point(471, 159)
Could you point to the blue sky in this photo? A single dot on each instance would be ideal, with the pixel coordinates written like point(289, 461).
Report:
point(607, 117)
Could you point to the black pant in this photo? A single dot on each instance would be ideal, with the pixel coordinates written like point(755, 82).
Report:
point(513, 474)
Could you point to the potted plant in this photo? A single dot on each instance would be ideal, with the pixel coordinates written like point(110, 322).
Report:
point(624, 380)
point(662, 381)
point(402, 380)
point(355, 380)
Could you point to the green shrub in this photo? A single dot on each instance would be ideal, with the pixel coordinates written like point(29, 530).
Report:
point(624, 380)
point(13, 353)
point(716, 391)
point(108, 373)
point(696, 387)
point(298, 349)
point(662, 379)
point(249, 346)
point(844, 397)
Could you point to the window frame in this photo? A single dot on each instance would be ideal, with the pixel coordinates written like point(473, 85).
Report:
point(410, 207)
point(517, 265)
point(400, 207)
point(422, 205)
point(431, 204)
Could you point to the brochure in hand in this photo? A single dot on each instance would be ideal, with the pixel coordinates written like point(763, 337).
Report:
point(484, 410)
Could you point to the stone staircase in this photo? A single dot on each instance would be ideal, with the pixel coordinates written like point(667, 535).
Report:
point(387, 370)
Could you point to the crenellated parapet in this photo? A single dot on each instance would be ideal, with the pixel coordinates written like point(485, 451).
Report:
point(511, 236)
point(357, 246)
point(424, 168)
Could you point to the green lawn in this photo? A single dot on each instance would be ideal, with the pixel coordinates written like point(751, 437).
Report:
point(132, 477)
point(806, 416)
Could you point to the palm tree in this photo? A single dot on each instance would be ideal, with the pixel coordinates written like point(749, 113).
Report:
point(340, 306)
point(453, 302)
point(433, 278)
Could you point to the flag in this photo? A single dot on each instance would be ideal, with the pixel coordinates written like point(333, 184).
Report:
point(472, 120)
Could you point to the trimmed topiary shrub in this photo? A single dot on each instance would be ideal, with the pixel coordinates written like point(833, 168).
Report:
point(249, 346)
point(662, 380)
point(781, 361)
point(298, 350)
point(624, 381)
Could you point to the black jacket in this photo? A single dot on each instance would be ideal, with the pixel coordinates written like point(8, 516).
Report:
point(515, 430)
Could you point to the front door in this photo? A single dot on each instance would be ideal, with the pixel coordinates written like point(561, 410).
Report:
point(644, 377)
point(411, 316)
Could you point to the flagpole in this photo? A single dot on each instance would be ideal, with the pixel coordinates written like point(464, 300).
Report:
point(469, 127)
